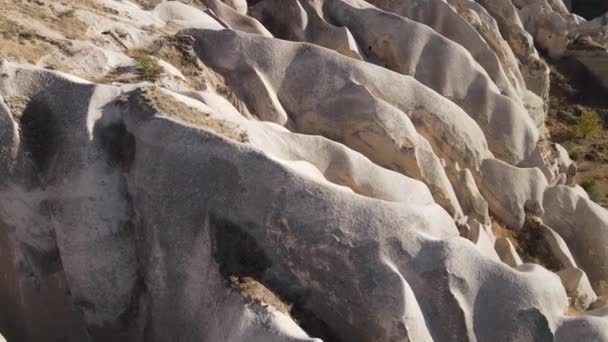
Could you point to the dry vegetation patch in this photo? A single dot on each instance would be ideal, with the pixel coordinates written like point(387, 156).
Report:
point(22, 38)
point(254, 291)
point(178, 51)
point(173, 108)
point(500, 230)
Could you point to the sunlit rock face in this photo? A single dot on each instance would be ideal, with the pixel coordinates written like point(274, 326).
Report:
point(294, 170)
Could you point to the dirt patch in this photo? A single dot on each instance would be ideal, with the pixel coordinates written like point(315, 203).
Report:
point(500, 230)
point(572, 311)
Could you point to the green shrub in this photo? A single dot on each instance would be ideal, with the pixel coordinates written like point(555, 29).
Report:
point(593, 190)
point(588, 125)
point(150, 68)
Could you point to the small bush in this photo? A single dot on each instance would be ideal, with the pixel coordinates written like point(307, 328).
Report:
point(588, 125)
point(593, 190)
point(575, 155)
point(150, 68)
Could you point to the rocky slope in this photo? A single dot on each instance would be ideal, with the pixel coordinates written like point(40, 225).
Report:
point(293, 170)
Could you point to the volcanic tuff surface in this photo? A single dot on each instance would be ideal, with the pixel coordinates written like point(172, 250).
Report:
point(294, 170)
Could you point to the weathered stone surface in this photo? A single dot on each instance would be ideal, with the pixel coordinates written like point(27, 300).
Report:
point(232, 13)
point(507, 253)
point(238, 5)
point(578, 288)
point(175, 238)
point(584, 225)
point(509, 190)
point(359, 98)
point(587, 327)
point(534, 70)
point(454, 25)
point(413, 49)
point(341, 186)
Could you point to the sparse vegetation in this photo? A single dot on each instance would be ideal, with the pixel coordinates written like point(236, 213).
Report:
point(593, 190)
point(575, 155)
point(150, 68)
point(578, 113)
point(588, 125)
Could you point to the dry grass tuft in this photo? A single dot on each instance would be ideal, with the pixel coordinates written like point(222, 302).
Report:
point(571, 310)
point(500, 230)
point(150, 68)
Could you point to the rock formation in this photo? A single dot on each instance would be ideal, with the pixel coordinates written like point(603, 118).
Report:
point(291, 170)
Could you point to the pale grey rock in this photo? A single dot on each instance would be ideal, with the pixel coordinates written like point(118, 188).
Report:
point(125, 209)
point(474, 206)
point(234, 16)
point(486, 26)
point(482, 236)
point(439, 15)
point(509, 191)
point(327, 161)
point(584, 225)
point(76, 247)
point(565, 165)
point(507, 253)
point(534, 70)
point(356, 95)
point(238, 5)
point(557, 246)
point(9, 134)
point(549, 28)
point(587, 327)
point(303, 21)
point(600, 303)
point(186, 16)
point(414, 49)
point(557, 31)
point(577, 287)
point(405, 272)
